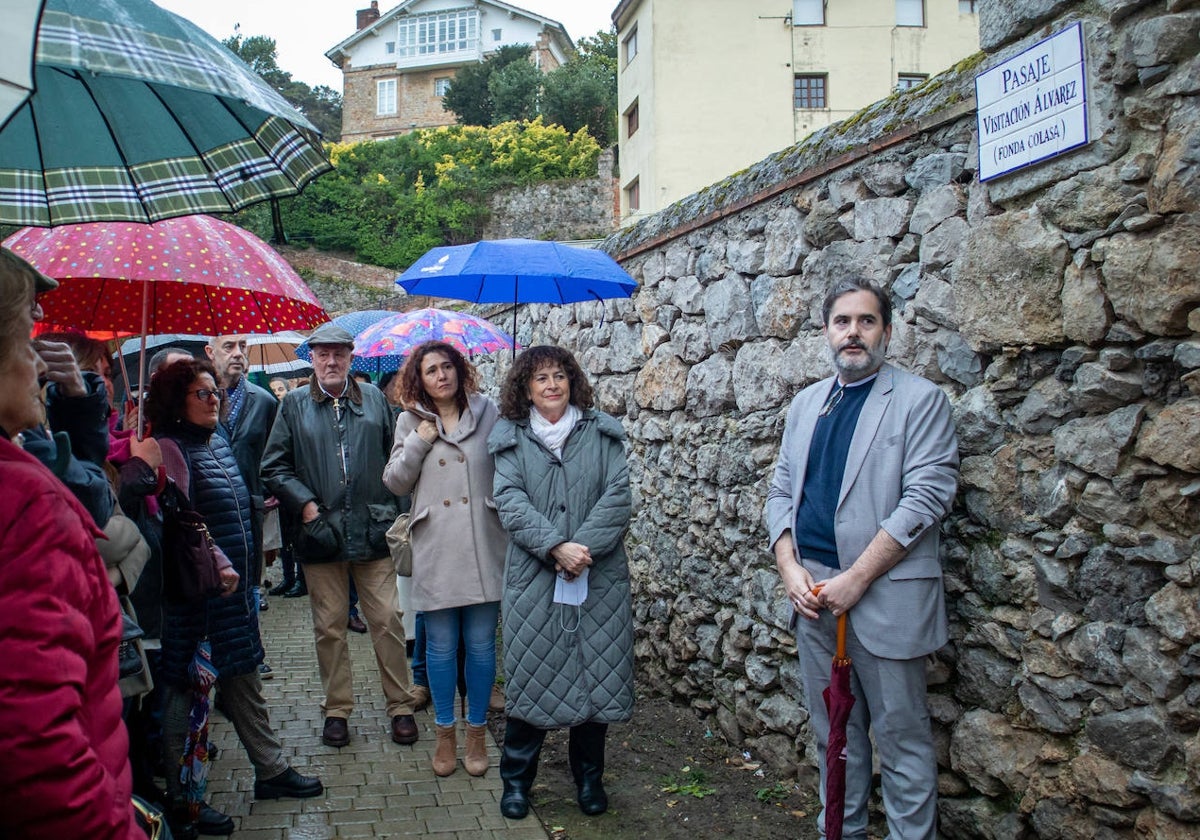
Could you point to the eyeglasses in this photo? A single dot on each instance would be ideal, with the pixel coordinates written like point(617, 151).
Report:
point(204, 394)
point(834, 399)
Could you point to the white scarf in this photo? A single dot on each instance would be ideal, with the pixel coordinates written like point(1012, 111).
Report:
point(554, 435)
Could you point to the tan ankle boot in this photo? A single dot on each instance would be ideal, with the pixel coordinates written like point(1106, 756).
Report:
point(475, 759)
point(444, 759)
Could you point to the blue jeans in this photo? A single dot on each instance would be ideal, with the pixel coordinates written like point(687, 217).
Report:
point(417, 659)
point(476, 626)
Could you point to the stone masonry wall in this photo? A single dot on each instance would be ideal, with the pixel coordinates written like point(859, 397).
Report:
point(575, 209)
point(1059, 309)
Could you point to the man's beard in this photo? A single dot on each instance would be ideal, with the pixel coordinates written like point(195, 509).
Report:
point(863, 365)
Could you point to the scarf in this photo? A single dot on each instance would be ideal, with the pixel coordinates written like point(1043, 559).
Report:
point(236, 398)
point(554, 435)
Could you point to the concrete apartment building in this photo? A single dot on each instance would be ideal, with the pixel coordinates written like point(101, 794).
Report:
point(708, 87)
point(397, 66)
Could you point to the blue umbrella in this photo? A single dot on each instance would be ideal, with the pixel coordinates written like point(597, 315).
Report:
point(517, 271)
point(354, 323)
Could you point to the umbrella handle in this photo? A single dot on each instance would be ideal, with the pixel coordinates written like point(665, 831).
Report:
point(841, 626)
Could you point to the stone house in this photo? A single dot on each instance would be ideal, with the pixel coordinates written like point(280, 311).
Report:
point(398, 65)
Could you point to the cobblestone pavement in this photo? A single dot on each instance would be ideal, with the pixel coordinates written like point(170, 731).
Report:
point(373, 787)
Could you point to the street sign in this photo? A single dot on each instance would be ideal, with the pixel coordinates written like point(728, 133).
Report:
point(1034, 106)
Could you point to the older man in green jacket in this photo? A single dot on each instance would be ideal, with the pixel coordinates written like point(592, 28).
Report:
point(324, 461)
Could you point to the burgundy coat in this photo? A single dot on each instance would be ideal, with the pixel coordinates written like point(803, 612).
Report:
point(64, 770)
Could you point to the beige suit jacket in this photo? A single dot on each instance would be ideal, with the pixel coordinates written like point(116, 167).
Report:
point(901, 476)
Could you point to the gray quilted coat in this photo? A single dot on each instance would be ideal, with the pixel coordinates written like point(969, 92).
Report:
point(565, 665)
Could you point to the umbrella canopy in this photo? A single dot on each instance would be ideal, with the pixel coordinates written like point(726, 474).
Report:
point(275, 354)
point(517, 271)
point(271, 354)
point(195, 275)
point(397, 335)
point(18, 32)
point(139, 115)
point(354, 323)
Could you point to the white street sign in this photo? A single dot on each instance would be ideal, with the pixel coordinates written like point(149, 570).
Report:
point(1033, 106)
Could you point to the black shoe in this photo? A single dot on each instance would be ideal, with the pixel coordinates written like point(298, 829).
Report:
point(281, 589)
point(213, 823)
point(514, 803)
point(592, 798)
point(336, 732)
point(265, 671)
point(357, 624)
point(180, 823)
point(297, 590)
point(288, 784)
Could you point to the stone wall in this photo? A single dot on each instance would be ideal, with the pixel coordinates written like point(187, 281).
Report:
point(1060, 311)
point(574, 209)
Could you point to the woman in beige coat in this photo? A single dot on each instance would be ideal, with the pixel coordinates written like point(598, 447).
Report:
point(440, 456)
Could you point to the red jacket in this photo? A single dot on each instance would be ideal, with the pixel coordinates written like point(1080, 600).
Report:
point(64, 752)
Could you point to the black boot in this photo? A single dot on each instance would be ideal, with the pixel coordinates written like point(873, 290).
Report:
point(586, 752)
point(518, 766)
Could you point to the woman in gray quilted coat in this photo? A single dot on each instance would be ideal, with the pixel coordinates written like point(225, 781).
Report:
point(562, 490)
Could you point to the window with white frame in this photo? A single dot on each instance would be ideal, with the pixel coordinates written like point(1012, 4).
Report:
point(910, 12)
point(385, 97)
point(630, 45)
point(808, 12)
point(441, 86)
point(389, 47)
point(809, 91)
point(444, 33)
point(497, 34)
point(908, 81)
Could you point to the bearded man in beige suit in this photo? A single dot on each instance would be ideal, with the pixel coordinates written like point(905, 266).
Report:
point(867, 468)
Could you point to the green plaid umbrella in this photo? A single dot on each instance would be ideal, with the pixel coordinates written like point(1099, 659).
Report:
point(139, 115)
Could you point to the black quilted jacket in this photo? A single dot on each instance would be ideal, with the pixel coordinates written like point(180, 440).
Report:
point(218, 493)
point(565, 665)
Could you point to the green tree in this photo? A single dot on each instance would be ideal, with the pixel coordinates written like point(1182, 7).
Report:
point(469, 97)
point(514, 92)
point(322, 105)
point(583, 92)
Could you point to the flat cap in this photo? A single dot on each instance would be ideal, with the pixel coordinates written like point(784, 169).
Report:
point(41, 283)
point(331, 333)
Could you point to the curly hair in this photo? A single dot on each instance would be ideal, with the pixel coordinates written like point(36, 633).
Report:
point(514, 397)
point(407, 389)
point(169, 390)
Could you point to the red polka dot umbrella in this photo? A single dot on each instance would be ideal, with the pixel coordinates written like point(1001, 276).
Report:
point(192, 274)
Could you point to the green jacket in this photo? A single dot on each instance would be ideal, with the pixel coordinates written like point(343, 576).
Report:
point(304, 462)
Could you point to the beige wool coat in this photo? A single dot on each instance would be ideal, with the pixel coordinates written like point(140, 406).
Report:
point(457, 541)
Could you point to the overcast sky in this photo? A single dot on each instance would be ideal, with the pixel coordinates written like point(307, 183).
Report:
point(304, 29)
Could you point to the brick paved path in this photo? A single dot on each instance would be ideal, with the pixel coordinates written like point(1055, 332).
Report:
point(373, 788)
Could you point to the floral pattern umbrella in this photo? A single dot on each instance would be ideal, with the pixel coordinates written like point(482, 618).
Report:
point(354, 323)
point(139, 115)
point(396, 336)
point(194, 274)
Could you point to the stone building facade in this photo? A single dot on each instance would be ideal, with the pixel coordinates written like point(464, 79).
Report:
point(1059, 309)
